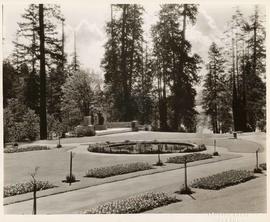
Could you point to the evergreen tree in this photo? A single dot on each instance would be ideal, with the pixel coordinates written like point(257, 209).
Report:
point(215, 90)
point(255, 68)
point(9, 80)
point(247, 70)
point(177, 70)
point(36, 41)
point(123, 58)
point(143, 90)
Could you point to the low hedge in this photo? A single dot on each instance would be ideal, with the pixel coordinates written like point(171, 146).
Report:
point(224, 179)
point(118, 169)
point(134, 204)
point(25, 149)
point(189, 157)
point(26, 187)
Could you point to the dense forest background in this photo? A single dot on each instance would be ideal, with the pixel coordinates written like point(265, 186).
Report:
point(153, 81)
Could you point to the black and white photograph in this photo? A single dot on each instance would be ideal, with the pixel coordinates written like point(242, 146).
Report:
point(147, 107)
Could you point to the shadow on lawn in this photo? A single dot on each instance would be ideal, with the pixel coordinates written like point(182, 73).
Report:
point(179, 192)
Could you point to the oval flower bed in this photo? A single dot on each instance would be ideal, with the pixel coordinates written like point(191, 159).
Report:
point(118, 169)
point(189, 157)
point(134, 204)
point(25, 149)
point(224, 179)
point(145, 147)
point(26, 187)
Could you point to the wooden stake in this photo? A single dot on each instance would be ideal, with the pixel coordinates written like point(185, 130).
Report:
point(70, 169)
point(185, 164)
point(35, 198)
point(257, 161)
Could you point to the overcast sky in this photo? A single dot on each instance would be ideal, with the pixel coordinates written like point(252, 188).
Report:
point(89, 21)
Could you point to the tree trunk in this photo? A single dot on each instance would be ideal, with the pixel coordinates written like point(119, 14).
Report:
point(244, 89)
point(43, 112)
point(180, 73)
point(126, 114)
point(234, 99)
point(255, 42)
point(63, 47)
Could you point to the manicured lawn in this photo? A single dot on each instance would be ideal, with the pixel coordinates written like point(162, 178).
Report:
point(54, 164)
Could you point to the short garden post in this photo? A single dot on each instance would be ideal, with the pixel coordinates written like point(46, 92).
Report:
point(158, 153)
point(214, 146)
point(34, 183)
point(59, 144)
point(70, 169)
point(257, 161)
point(185, 165)
point(34, 198)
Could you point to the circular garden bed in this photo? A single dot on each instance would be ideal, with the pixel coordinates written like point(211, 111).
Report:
point(145, 147)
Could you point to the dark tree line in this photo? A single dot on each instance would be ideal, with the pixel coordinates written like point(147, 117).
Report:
point(217, 91)
point(123, 60)
point(43, 93)
point(242, 68)
point(33, 75)
point(176, 69)
point(139, 79)
point(153, 82)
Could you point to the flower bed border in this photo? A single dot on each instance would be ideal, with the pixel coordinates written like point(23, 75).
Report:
point(189, 158)
point(224, 179)
point(126, 147)
point(26, 187)
point(119, 169)
point(134, 204)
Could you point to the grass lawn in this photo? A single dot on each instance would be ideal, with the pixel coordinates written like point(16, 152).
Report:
point(248, 197)
point(54, 164)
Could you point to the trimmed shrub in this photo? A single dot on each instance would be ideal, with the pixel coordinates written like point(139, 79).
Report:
point(85, 131)
point(134, 204)
point(20, 122)
point(189, 157)
point(224, 179)
point(70, 179)
point(21, 188)
point(263, 166)
point(159, 163)
point(185, 190)
point(118, 169)
point(25, 149)
point(216, 154)
point(257, 170)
